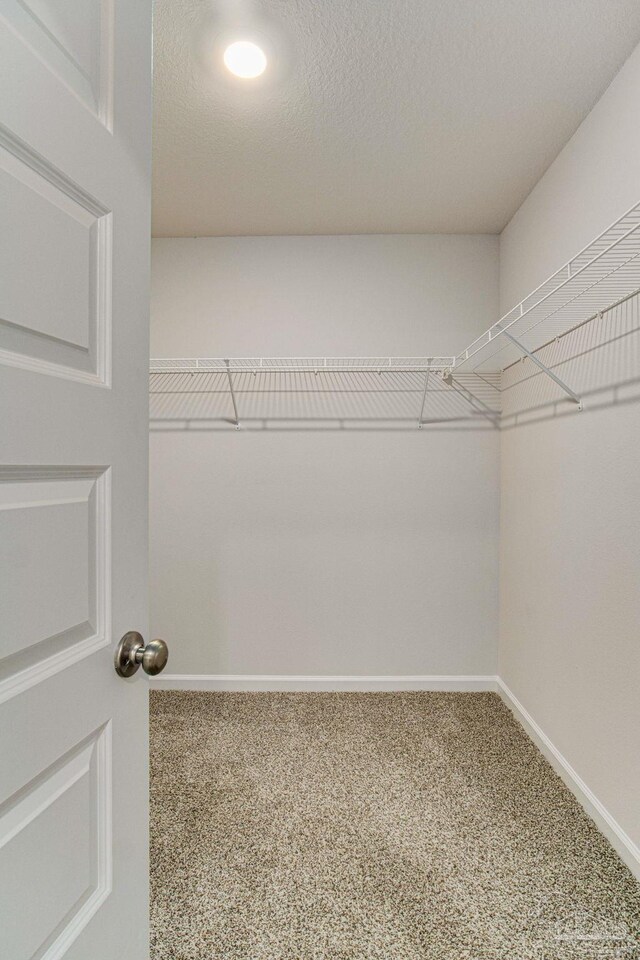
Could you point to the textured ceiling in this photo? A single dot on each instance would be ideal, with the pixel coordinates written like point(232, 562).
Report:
point(374, 116)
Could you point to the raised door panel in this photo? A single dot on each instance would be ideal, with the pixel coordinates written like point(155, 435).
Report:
point(55, 842)
point(54, 554)
point(74, 39)
point(55, 269)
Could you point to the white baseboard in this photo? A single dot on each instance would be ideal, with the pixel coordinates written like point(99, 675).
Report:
point(185, 681)
point(619, 840)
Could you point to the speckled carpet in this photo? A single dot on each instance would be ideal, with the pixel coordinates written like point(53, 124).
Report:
point(346, 826)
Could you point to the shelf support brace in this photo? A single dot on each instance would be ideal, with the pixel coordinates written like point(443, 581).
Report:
point(492, 415)
point(563, 386)
point(233, 396)
point(424, 399)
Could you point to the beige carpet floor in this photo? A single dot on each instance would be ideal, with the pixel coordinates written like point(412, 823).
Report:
point(302, 826)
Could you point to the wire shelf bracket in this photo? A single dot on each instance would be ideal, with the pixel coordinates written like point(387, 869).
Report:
point(556, 379)
point(424, 400)
point(493, 416)
point(233, 396)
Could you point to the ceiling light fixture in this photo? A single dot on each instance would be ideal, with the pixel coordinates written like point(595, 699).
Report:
point(245, 59)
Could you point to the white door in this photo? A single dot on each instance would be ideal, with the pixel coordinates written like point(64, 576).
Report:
point(75, 104)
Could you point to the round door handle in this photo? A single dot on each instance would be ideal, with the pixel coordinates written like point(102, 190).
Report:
point(132, 653)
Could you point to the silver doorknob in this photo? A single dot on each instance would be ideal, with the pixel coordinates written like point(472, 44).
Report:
point(132, 653)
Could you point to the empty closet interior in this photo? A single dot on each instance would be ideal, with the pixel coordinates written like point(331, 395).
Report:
point(394, 417)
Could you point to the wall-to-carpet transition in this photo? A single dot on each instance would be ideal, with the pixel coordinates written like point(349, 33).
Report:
point(358, 826)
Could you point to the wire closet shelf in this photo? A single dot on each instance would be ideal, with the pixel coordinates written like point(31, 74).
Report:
point(313, 365)
point(423, 389)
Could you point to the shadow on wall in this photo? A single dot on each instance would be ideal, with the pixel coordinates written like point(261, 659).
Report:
point(323, 401)
point(599, 360)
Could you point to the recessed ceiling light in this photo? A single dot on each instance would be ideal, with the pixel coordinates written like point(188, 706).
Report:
point(245, 59)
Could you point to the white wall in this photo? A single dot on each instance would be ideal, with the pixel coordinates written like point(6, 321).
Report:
point(592, 182)
point(355, 553)
point(570, 485)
